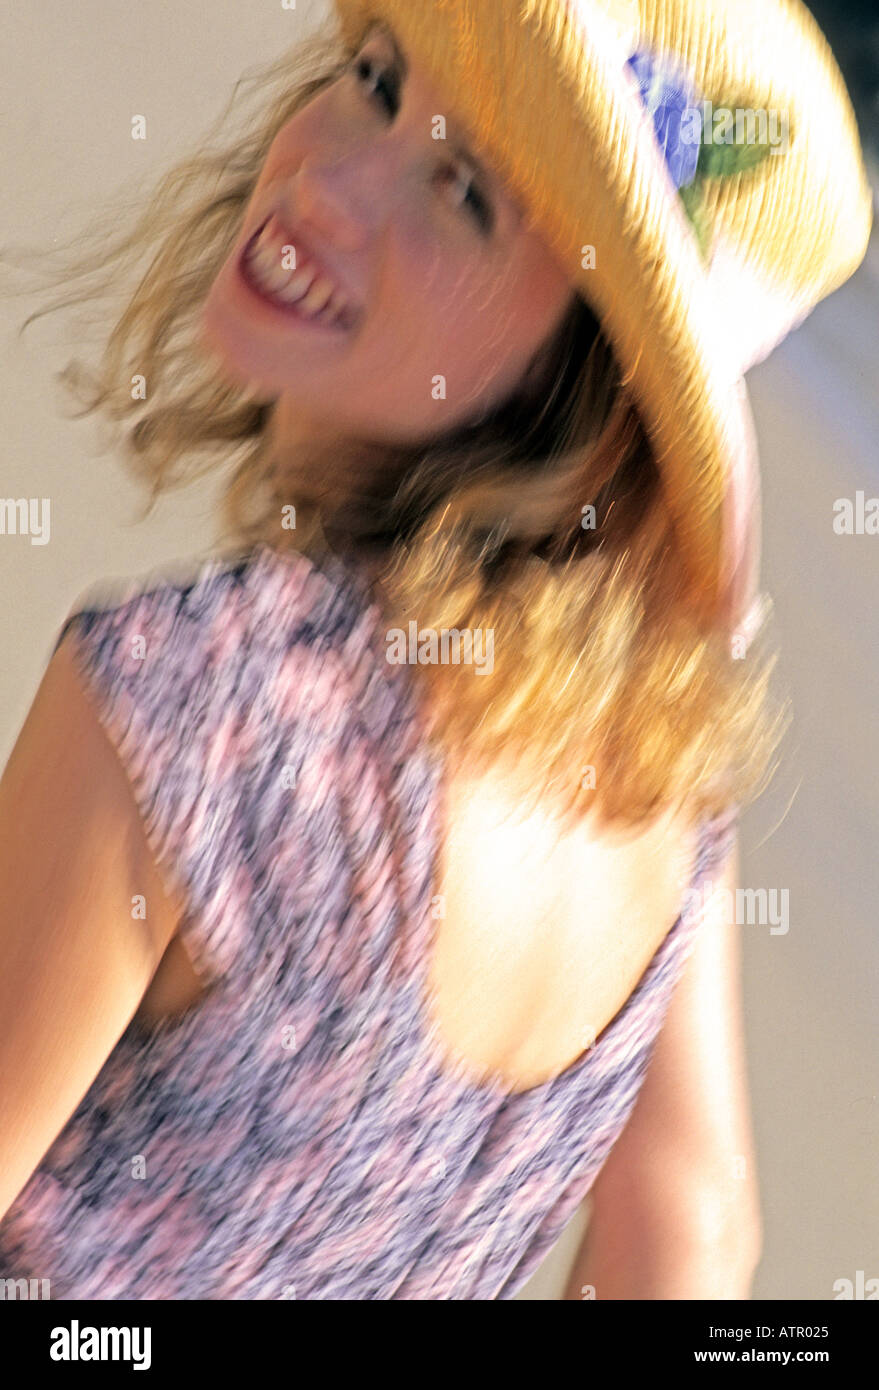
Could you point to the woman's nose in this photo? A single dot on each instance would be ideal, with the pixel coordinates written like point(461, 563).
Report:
point(346, 197)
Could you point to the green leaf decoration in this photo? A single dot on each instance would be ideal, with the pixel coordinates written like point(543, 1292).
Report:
point(720, 154)
point(720, 157)
point(694, 207)
point(718, 161)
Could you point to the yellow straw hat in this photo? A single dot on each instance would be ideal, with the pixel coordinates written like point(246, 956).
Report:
point(696, 165)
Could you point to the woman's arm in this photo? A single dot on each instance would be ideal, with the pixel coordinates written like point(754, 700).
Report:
point(675, 1209)
point(75, 956)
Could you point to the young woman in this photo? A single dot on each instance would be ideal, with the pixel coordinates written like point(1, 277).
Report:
point(356, 892)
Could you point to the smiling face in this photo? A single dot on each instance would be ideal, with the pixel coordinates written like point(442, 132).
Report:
point(422, 261)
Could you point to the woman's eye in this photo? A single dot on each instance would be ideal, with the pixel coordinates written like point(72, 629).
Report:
point(383, 83)
point(472, 197)
point(389, 92)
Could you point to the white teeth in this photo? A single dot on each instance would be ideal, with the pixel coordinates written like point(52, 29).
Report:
point(314, 294)
point(295, 285)
point(271, 271)
point(318, 296)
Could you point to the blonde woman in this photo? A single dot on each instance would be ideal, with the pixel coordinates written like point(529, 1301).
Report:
point(363, 926)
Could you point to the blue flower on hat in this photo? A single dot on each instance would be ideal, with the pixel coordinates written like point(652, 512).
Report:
point(692, 156)
point(668, 95)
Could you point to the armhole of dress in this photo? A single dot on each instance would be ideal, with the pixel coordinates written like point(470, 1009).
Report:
point(199, 926)
point(162, 862)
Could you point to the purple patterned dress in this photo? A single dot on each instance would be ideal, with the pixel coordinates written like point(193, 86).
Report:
point(298, 1133)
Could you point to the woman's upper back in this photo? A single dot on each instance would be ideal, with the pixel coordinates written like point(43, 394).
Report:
point(362, 966)
point(542, 934)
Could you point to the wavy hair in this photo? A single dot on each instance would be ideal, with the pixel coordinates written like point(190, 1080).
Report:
point(608, 694)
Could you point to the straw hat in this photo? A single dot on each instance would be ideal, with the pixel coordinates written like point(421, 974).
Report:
point(707, 151)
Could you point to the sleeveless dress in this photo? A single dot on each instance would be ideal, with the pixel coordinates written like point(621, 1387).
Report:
point(299, 1132)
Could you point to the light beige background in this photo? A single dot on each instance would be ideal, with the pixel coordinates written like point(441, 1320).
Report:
point(73, 76)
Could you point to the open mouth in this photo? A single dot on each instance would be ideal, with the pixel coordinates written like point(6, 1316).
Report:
point(304, 293)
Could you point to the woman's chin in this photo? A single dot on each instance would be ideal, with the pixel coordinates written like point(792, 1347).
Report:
point(230, 356)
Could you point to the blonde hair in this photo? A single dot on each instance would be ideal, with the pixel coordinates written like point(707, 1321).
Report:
point(608, 694)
